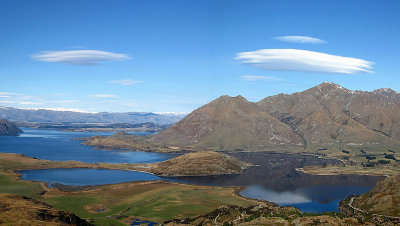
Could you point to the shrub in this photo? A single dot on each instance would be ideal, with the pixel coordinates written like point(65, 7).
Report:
point(370, 157)
point(389, 156)
point(383, 162)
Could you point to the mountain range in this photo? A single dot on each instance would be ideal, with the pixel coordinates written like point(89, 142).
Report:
point(325, 115)
point(51, 116)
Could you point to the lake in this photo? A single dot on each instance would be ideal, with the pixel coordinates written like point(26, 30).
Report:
point(274, 179)
point(59, 146)
point(84, 177)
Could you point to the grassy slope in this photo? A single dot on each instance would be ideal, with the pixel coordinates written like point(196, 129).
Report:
point(156, 201)
point(10, 184)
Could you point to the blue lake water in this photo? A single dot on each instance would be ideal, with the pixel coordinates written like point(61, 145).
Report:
point(314, 198)
point(274, 179)
point(59, 146)
point(83, 177)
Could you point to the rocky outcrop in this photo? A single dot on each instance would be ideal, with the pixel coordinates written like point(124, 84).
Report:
point(8, 129)
point(21, 210)
point(200, 164)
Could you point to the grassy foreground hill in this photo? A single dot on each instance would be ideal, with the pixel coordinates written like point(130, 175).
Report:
point(383, 199)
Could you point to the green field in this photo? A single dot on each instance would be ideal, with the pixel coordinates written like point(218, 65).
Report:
point(156, 201)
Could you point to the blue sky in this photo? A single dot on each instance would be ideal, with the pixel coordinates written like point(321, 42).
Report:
point(174, 56)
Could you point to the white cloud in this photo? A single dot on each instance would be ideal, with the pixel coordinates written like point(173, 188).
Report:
point(29, 103)
point(8, 94)
point(79, 57)
point(125, 82)
point(260, 78)
point(300, 39)
point(105, 96)
point(303, 60)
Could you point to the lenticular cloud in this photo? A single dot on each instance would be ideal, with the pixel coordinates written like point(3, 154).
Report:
point(303, 60)
point(79, 57)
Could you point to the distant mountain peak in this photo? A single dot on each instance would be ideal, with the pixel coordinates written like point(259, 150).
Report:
point(227, 98)
point(331, 85)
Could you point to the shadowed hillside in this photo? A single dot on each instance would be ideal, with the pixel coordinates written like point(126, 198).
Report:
point(21, 210)
point(8, 129)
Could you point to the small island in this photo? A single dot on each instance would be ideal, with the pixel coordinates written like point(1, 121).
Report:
point(200, 164)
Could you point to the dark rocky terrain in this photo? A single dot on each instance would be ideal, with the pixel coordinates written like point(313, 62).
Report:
point(21, 210)
point(8, 129)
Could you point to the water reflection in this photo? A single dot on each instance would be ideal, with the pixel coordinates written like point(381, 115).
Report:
point(276, 179)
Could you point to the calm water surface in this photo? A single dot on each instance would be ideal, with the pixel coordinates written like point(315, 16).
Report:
point(59, 146)
point(83, 177)
point(274, 179)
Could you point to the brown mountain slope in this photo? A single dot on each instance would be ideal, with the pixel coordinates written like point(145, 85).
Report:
point(330, 114)
point(229, 123)
point(20, 210)
point(383, 199)
point(200, 163)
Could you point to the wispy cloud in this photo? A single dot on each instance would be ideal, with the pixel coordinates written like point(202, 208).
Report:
point(79, 57)
point(8, 94)
point(300, 39)
point(303, 60)
point(260, 78)
point(62, 109)
point(30, 103)
point(104, 96)
point(125, 82)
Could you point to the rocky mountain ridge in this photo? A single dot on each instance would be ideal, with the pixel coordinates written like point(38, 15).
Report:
point(325, 115)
